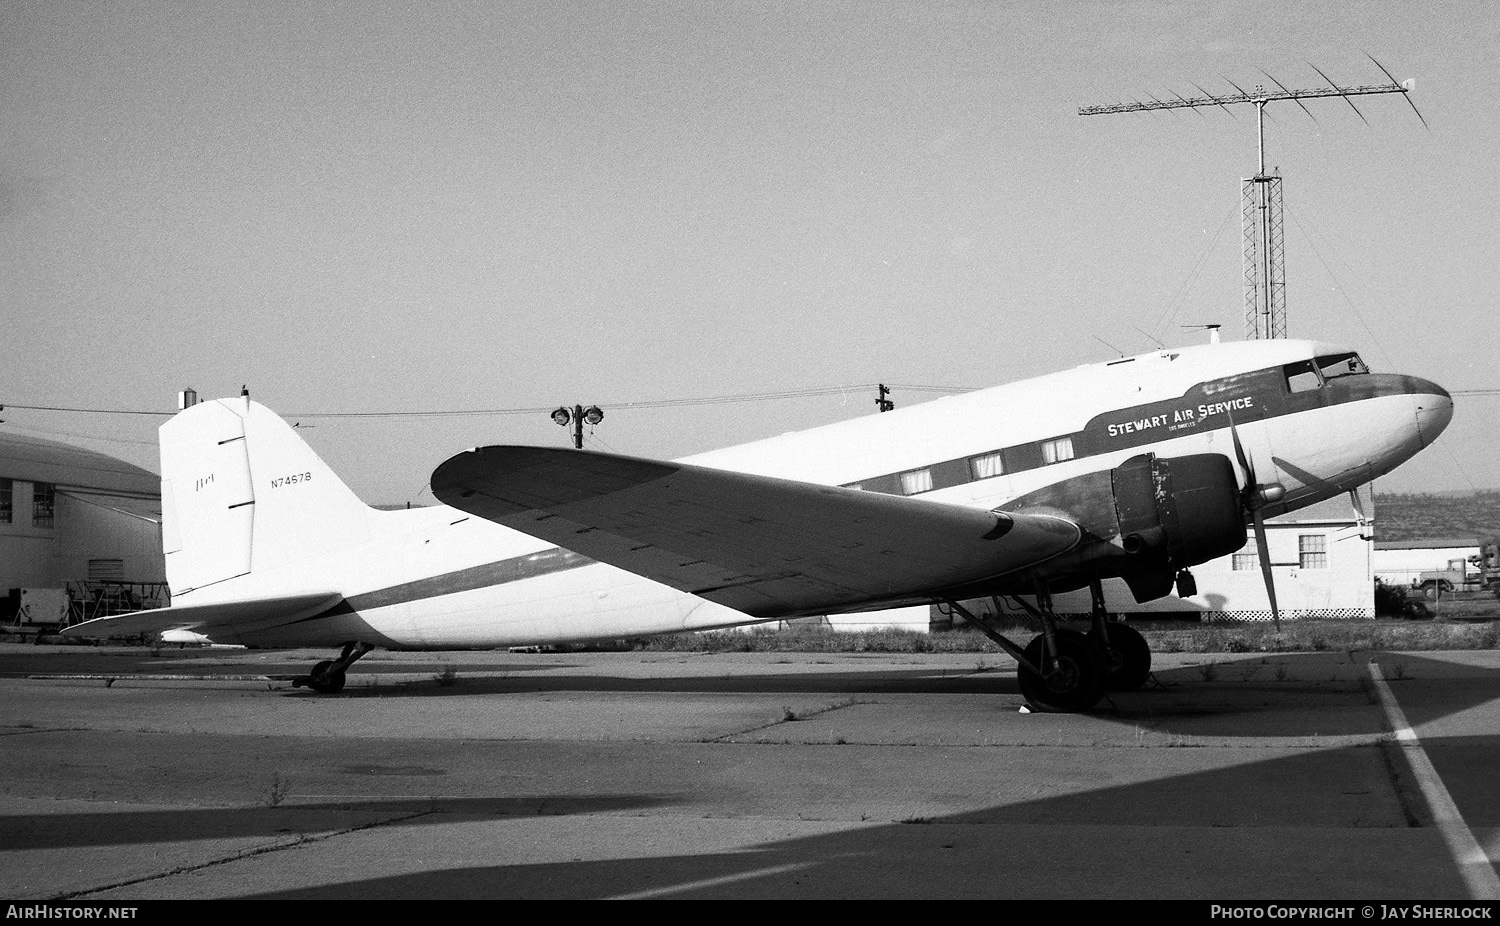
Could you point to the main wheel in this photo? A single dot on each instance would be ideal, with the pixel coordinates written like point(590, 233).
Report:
point(1127, 663)
point(332, 684)
point(1074, 681)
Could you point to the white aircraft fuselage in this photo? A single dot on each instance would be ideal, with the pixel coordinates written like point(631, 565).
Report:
point(252, 514)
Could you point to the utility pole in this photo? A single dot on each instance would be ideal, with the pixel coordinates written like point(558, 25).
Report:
point(578, 415)
point(881, 401)
point(1260, 195)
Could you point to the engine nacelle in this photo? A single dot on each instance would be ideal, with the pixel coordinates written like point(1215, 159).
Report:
point(1175, 512)
point(1145, 520)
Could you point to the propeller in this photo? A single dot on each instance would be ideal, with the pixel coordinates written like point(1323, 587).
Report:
point(1255, 497)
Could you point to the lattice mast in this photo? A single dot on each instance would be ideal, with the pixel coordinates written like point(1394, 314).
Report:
point(1260, 195)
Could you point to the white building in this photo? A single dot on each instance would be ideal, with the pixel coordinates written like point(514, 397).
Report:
point(1321, 561)
point(79, 531)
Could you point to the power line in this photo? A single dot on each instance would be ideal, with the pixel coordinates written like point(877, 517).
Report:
point(494, 412)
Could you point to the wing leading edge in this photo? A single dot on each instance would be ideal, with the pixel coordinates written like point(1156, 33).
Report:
point(765, 546)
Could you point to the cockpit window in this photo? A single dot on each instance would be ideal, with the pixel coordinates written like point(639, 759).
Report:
point(1338, 365)
point(1301, 376)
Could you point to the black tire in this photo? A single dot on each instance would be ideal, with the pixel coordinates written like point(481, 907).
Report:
point(1076, 681)
point(1433, 591)
point(332, 684)
point(1127, 664)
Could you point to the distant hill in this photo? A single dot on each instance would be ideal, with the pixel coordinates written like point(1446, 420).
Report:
point(1423, 516)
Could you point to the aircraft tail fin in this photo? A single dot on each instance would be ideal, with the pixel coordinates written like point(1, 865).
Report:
point(242, 493)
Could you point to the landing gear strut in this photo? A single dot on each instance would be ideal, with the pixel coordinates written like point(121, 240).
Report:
point(1126, 654)
point(1063, 670)
point(328, 676)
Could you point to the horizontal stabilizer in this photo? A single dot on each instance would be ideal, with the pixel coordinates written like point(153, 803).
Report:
point(240, 616)
point(766, 546)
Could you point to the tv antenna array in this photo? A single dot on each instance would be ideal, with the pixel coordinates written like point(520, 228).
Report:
point(1260, 195)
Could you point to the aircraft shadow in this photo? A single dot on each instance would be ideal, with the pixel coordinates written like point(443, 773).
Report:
point(1174, 837)
point(74, 830)
point(1289, 693)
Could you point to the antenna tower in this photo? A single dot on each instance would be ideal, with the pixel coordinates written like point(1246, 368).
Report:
point(1260, 195)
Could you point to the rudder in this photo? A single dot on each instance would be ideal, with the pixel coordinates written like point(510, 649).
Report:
point(242, 493)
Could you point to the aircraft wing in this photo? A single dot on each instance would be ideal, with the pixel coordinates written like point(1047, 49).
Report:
point(249, 615)
point(765, 546)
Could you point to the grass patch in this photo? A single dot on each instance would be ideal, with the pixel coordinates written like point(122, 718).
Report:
point(1295, 636)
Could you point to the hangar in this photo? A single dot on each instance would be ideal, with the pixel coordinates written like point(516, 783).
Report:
point(80, 534)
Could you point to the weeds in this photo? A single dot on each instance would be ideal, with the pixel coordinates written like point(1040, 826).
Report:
point(1164, 637)
point(448, 677)
point(276, 793)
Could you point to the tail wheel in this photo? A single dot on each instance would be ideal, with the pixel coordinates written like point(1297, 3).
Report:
point(1072, 681)
point(330, 683)
point(1127, 664)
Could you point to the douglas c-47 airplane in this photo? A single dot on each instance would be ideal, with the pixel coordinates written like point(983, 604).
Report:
point(1138, 468)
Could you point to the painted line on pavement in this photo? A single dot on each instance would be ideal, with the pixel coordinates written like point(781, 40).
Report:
point(1473, 864)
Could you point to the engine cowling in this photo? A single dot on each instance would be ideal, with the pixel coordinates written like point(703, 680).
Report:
point(1175, 512)
point(1144, 520)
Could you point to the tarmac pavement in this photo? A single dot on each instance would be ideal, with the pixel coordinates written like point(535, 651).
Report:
point(128, 775)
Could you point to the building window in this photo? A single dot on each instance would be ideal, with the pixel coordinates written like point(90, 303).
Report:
point(5, 501)
point(41, 504)
point(1243, 562)
point(106, 570)
point(1056, 451)
point(986, 465)
point(918, 480)
point(1312, 551)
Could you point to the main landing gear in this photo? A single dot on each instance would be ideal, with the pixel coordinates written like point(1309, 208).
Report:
point(328, 676)
point(1067, 671)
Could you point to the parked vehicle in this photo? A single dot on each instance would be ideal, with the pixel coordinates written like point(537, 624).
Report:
point(1480, 572)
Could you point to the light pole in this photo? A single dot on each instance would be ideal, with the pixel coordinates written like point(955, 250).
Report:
point(578, 415)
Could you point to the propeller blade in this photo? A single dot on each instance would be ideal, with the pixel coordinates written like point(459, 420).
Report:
point(1262, 551)
point(1253, 499)
point(1239, 454)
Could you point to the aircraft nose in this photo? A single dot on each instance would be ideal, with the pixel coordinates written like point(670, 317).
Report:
point(1434, 409)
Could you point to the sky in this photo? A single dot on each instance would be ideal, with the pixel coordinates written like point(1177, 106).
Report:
point(441, 206)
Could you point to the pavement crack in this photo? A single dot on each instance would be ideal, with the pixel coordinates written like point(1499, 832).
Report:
point(788, 716)
point(292, 842)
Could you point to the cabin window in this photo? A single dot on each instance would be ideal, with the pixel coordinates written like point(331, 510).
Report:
point(41, 504)
point(1332, 367)
point(1312, 551)
point(1302, 377)
point(5, 501)
point(918, 480)
point(987, 465)
point(1056, 451)
point(1244, 562)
